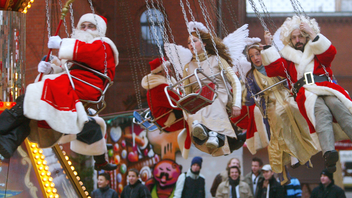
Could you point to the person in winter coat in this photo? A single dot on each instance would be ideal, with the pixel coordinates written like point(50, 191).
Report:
point(191, 184)
point(135, 188)
point(306, 63)
point(289, 131)
point(55, 104)
point(268, 186)
point(253, 177)
point(211, 128)
point(327, 188)
point(223, 176)
point(234, 187)
point(104, 190)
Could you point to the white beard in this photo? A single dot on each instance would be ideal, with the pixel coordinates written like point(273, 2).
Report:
point(85, 36)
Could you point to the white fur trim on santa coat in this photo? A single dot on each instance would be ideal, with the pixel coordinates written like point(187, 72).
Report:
point(269, 55)
point(67, 47)
point(94, 19)
point(311, 94)
point(37, 109)
point(260, 139)
point(97, 148)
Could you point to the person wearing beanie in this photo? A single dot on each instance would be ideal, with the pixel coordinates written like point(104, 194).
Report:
point(54, 104)
point(104, 190)
point(268, 186)
point(233, 187)
point(191, 184)
point(327, 187)
point(305, 60)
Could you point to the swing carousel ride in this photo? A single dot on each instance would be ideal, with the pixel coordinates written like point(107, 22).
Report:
point(48, 172)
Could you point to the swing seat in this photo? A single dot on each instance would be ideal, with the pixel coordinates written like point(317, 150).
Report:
point(143, 122)
point(149, 116)
point(99, 104)
point(193, 102)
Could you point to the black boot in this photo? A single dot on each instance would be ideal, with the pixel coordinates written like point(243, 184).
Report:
point(331, 157)
point(101, 163)
point(11, 118)
point(10, 141)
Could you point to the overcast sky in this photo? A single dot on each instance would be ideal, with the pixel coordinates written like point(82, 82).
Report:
point(286, 6)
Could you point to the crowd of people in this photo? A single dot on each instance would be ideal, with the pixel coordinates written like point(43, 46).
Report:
point(260, 182)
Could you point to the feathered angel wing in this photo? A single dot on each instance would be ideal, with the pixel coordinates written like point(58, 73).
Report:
point(276, 39)
point(179, 56)
point(236, 41)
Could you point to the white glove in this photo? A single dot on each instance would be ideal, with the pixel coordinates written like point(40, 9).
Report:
point(54, 42)
point(44, 67)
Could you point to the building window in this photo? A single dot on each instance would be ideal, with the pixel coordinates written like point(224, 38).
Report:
point(151, 36)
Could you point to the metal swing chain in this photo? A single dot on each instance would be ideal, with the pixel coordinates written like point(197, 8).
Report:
point(165, 38)
point(190, 34)
point(203, 8)
point(135, 51)
point(234, 19)
point(198, 34)
point(161, 7)
point(157, 40)
point(265, 11)
point(133, 63)
point(218, 16)
point(72, 18)
point(48, 17)
point(101, 38)
point(297, 6)
point(266, 29)
point(66, 30)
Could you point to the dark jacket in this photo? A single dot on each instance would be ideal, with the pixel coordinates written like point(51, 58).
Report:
point(249, 181)
point(137, 190)
point(276, 190)
point(190, 185)
point(331, 191)
point(105, 192)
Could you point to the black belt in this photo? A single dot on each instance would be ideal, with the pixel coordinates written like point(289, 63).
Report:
point(308, 78)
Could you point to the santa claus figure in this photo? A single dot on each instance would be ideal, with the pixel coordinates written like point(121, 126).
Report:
point(167, 117)
point(56, 102)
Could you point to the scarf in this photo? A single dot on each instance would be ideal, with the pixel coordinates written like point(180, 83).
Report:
point(233, 184)
point(261, 69)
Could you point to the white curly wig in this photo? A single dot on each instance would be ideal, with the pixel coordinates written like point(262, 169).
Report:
point(293, 23)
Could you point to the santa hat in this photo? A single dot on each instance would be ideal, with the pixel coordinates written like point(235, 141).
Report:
point(99, 21)
point(156, 65)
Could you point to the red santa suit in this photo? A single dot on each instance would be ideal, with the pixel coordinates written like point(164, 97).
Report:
point(54, 100)
point(159, 104)
point(315, 54)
